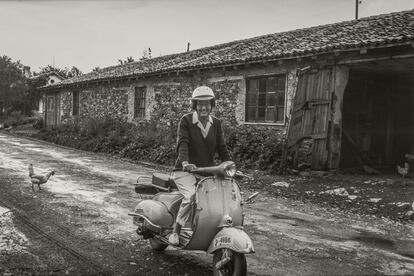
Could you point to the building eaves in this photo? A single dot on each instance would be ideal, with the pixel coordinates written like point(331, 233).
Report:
point(369, 32)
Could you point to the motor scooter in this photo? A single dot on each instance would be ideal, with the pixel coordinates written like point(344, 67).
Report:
point(216, 222)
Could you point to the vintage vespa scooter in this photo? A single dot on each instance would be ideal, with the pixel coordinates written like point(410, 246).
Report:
point(216, 224)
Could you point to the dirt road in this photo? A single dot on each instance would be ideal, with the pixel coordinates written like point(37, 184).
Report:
point(78, 224)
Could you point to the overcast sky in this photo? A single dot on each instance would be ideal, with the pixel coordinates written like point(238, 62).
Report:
point(90, 34)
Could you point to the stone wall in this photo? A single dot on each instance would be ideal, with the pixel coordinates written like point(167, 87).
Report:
point(167, 97)
point(104, 101)
point(65, 105)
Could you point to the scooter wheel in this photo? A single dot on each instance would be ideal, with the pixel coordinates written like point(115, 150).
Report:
point(157, 245)
point(237, 266)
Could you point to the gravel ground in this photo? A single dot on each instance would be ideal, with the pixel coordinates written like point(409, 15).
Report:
point(78, 222)
point(389, 196)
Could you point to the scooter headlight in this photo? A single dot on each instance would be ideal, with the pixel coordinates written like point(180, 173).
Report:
point(231, 170)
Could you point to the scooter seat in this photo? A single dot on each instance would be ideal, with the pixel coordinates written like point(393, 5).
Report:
point(164, 181)
point(160, 182)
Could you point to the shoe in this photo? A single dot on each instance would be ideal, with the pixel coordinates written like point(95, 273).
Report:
point(173, 239)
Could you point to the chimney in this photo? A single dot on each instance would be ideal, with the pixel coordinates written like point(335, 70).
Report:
point(26, 71)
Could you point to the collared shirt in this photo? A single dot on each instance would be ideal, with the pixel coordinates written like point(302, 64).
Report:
point(204, 130)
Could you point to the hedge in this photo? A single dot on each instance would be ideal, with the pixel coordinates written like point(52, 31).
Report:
point(251, 147)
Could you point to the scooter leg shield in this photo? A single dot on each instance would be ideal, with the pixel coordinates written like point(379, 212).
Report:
point(232, 238)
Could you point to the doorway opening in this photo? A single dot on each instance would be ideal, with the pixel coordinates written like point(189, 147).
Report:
point(378, 115)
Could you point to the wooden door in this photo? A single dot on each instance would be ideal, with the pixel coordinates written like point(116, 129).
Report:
point(311, 112)
point(51, 111)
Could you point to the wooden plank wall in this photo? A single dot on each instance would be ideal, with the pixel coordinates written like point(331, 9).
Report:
point(317, 114)
point(321, 95)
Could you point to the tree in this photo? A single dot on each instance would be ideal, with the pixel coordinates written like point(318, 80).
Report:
point(146, 54)
point(33, 94)
point(13, 86)
point(40, 79)
point(125, 61)
point(96, 69)
point(75, 72)
point(66, 72)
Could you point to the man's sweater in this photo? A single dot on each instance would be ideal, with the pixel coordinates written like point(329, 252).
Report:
point(194, 148)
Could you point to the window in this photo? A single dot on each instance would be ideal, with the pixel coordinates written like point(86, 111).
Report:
point(265, 99)
point(139, 102)
point(75, 103)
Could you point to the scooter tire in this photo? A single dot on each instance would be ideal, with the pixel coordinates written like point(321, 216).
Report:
point(157, 245)
point(237, 266)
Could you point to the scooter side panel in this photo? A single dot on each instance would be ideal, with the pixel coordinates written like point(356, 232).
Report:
point(215, 199)
point(156, 212)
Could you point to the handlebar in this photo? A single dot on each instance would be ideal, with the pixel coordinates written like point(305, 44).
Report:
point(218, 170)
point(240, 174)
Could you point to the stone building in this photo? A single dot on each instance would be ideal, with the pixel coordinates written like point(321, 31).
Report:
point(351, 81)
point(48, 78)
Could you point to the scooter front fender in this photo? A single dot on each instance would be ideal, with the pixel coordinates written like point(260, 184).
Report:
point(233, 238)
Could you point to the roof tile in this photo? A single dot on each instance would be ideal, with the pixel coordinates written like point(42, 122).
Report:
point(365, 32)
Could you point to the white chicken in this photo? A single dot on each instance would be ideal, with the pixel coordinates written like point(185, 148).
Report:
point(403, 170)
point(38, 179)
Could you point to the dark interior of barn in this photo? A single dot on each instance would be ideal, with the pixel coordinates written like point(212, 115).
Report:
point(378, 115)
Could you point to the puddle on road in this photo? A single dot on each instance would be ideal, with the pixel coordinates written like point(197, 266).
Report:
point(319, 233)
point(374, 240)
point(294, 221)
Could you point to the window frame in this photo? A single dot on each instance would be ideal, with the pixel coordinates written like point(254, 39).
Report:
point(77, 100)
point(248, 79)
point(138, 100)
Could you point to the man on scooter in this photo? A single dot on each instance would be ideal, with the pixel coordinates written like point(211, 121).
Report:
point(199, 138)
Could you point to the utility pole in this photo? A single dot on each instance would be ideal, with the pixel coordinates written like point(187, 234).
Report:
point(188, 47)
point(357, 2)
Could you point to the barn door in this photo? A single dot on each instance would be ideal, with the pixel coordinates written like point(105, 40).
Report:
point(311, 112)
point(51, 111)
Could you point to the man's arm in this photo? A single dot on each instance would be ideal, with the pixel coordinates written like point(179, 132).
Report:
point(183, 139)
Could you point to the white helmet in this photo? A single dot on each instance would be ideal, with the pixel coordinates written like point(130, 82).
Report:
point(203, 93)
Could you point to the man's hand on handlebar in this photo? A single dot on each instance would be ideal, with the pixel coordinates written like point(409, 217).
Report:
point(187, 167)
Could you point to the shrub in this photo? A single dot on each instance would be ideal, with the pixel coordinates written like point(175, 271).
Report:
point(251, 147)
point(38, 123)
point(14, 119)
point(254, 147)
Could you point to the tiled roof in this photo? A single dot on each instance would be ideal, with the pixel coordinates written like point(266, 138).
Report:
point(47, 75)
point(374, 31)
